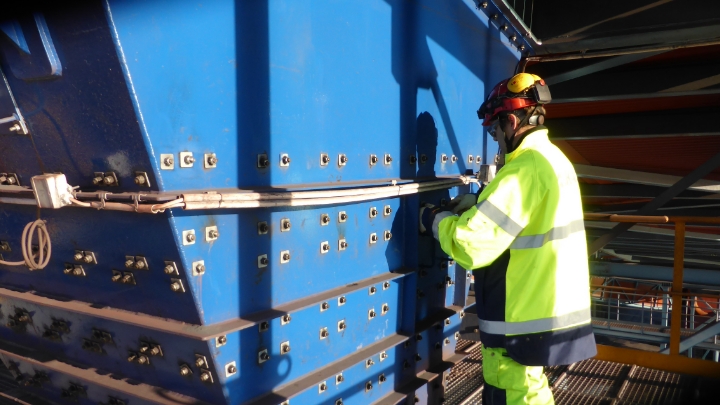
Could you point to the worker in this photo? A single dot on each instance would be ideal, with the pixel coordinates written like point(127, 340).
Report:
point(524, 239)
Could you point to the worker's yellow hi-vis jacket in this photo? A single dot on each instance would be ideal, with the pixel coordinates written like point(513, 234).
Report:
point(525, 239)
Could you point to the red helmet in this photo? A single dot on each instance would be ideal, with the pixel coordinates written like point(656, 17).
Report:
point(520, 91)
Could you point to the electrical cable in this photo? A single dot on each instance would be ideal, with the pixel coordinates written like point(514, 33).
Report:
point(40, 259)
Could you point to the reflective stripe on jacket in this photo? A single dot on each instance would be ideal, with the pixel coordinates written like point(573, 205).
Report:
point(533, 210)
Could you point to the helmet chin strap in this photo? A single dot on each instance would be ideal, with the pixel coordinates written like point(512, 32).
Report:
point(508, 142)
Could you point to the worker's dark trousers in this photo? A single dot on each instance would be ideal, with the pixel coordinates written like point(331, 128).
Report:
point(508, 382)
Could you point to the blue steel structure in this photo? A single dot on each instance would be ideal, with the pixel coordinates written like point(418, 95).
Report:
point(248, 309)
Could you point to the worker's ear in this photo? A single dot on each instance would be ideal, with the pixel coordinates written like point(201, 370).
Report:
point(514, 121)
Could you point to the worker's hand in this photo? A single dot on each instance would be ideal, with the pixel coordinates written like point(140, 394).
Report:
point(461, 203)
point(426, 217)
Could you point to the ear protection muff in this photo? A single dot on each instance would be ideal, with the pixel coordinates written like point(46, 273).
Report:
point(537, 120)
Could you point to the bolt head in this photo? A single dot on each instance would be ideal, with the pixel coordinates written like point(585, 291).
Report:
point(199, 362)
point(388, 158)
point(343, 216)
point(109, 180)
point(513, 38)
point(264, 356)
point(326, 247)
point(139, 264)
point(116, 277)
point(175, 286)
point(77, 272)
point(200, 268)
point(129, 263)
point(78, 256)
point(232, 369)
point(190, 237)
point(169, 269)
point(263, 228)
point(189, 160)
point(139, 180)
point(204, 376)
point(214, 234)
point(285, 349)
point(263, 260)
point(325, 305)
point(168, 161)
point(127, 278)
point(185, 370)
point(374, 159)
point(97, 180)
point(343, 300)
point(286, 224)
point(343, 244)
point(212, 160)
point(285, 160)
point(131, 357)
point(286, 318)
point(222, 339)
point(88, 259)
point(286, 256)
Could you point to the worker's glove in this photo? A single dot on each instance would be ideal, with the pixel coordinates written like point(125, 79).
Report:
point(462, 203)
point(427, 216)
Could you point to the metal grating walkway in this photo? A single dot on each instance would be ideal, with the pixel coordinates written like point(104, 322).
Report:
point(592, 382)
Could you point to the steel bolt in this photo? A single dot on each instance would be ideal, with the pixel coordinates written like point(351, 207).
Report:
point(373, 238)
point(388, 159)
point(232, 369)
point(200, 362)
point(373, 212)
point(286, 349)
point(343, 159)
point(213, 234)
point(494, 16)
point(382, 378)
point(386, 308)
point(264, 356)
point(154, 350)
point(372, 314)
point(326, 159)
point(286, 256)
point(343, 244)
point(444, 158)
point(484, 4)
point(423, 158)
point(23, 318)
point(144, 348)
point(263, 227)
point(368, 386)
point(168, 161)
point(189, 160)
point(369, 362)
point(340, 378)
point(388, 235)
point(373, 290)
point(413, 159)
point(324, 333)
point(222, 339)
point(286, 318)
point(383, 355)
point(109, 180)
point(325, 305)
point(285, 160)
point(325, 219)
point(325, 247)
point(504, 27)
point(88, 259)
point(139, 264)
point(286, 225)
point(212, 160)
point(513, 37)
point(205, 376)
point(139, 180)
point(169, 269)
point(453, 158)
point(78, 256)
point(522, 47)
point(132, 357)
point(190, 237)
point(343, 216)
point(127, 278)
point(77, 272)
point(200, 268)
point(386, 285)
point(342, 300)
point(116, 277)
point(15, 128)
point(95, 180)
point(264, 162)
point(264, 261)
point(373, 159)
point(341, 326)
point(185, 370)
point(175, 286)
point(130, 263)
point(388, 210)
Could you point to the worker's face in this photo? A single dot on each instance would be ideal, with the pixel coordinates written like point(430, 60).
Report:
point(498, 135)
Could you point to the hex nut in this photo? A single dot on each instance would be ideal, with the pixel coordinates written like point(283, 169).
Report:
point(185, 370)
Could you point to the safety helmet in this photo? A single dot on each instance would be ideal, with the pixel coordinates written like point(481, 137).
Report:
point(520, 91)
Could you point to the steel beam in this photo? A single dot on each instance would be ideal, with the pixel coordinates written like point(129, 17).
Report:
point(654, 273)
point(635, 177)
point(680, 186)
point(599, 66)
point(698, 337)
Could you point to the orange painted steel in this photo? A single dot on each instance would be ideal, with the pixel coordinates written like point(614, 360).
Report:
point(673, 362)
point(678, 265)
